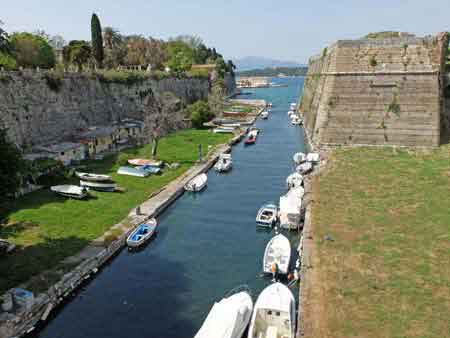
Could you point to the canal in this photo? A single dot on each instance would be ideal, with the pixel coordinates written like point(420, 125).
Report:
point(207, 244)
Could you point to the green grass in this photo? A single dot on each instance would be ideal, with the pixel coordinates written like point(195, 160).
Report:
point(387, 272)
point(48, 228)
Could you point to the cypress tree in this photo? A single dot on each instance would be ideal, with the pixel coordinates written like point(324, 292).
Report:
point(97, 40)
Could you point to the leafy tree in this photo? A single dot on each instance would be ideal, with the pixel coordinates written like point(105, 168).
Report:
point(180, 56)
point(11, 164)
point(221, 68)
point(200, 113)
point(112, 37)
point(7, 61)
point(5, 46)
point(77, 52)
point(216, 97)
point(97, 40)
point(31, 50)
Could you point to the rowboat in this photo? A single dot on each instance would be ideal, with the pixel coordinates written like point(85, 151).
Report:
point(229, 317)
point(100, 186)
point(150, 169)
point(93, 177)
point(223, 130)
point(273, 314)
point(142, 162)
point(277, 254)
point(197, 183)
point(142, 233)
point(224, 163)
point(267, 215)
point(130, 171)
point(72, 191)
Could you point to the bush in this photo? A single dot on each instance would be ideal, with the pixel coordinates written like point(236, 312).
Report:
point(198, 73)
point(7, 62)
point(123, 158)
point(200, 113)
point(32, 50)
point(123, 77)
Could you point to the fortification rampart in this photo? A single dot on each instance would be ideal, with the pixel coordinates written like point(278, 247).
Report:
point(371, 91)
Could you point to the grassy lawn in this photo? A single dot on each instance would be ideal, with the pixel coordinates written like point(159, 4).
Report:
point(48, 228)
point(386, 271)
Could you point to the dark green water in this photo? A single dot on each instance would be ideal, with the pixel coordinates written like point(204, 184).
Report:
point(207, 244)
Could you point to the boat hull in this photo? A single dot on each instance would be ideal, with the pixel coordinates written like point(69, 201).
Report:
point(138, 237)
point(278, 251)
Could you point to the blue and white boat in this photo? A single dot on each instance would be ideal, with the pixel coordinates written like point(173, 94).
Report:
point(142, 233)
point(150, 169)
point(133, 172)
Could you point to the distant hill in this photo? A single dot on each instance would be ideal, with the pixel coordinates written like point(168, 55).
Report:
point(287, 71)
point(256, 62)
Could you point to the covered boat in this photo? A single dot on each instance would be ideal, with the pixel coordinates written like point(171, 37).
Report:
point(130, 171)
point(229, 317)
point(294, 180)
point(224, 163)
point(299, 158)
point(267, 215)
point(100, 186)
point(274, 313)
point(290, 208)
point(278, 254)
point(197, 183)
point(313, 157)
point(93, 177)
point(304, 168)
point(72, 191)
point(143, 161)
point(142, 233)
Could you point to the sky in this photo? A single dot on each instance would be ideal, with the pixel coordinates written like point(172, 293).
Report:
point(290, 30)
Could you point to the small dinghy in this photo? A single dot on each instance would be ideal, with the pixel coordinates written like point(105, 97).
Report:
point(313, 157)
point(278, 254)
point(299, 158)
point(93, 177)
point(99, 186)
point(274, 313)
point(265, 115)
point(267, 215)
point(294, 180)
point(150, 169)
point(304, 168)
point(142, 233)
point(224, 163)
point(197, 183)
point(143, 161)
point(130, 171)
point(72, 191)
point(229, 317)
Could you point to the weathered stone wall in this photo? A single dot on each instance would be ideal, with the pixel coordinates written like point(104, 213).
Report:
point(387, 91)
point(35, 114)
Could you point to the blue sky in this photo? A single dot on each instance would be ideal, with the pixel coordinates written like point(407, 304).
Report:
point(287, 30)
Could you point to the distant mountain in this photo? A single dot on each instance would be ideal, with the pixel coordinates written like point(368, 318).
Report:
point(257, 62)
point(277, 71)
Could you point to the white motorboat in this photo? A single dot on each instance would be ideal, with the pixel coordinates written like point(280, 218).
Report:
point(93, 177)
point(224, 130)
point(224, 163)
point(267, 215)
point(294, 180)
point(293, 106)
point(253, 131)
point(290, 208)
point(130, 171)
point(264, 115)
point(197, 183)
point(142, 233)
point(229, 317)
point(274, 313)
point(72, 191)
point(295, 120)
point(290, 113)
point(313, 157)
point(304, 168)
point(299, 158)
point(277, 255)
point(100, 186)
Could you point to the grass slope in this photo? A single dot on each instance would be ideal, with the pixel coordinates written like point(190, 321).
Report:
point(48, 228)
point(386, 273)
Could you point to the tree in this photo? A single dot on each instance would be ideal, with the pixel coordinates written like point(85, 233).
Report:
point(77, 52)
point(31, 50)
point(97, 40)
point(221, 67)
point(180, 56)
point(231, 67)
point(5, 46)
point(11, 164)
point(216, 97)
point(200, 113)
point(112, 37)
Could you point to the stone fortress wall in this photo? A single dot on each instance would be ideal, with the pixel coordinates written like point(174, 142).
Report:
point(378, 91)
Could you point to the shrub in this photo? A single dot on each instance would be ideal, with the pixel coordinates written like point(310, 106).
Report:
point(31, 50)
point(7, 62)
point(199, 113)
point(123, 158)
point(122, 77)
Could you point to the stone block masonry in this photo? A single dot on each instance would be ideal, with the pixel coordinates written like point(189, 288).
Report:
point(377, 92)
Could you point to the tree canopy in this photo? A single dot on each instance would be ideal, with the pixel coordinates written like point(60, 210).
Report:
point(200, 113)
point(97, 40)
point(32, 50)
point(77, 52)
point(11, 164)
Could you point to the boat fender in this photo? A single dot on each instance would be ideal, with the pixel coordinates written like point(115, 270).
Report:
point(290, 276)
point(274, 268)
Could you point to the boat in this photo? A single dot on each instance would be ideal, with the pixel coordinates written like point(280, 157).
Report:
point(100, 186)
point(251, 139)
point(131, 171)
point(270, 104)
point(299, 157)
point(290, 208)
point(278, 253)
point(72, 191)
point(294, 180)
point(229, 317)
point(293, 106)
point(223, 130)
point(313, 157)
point(197, 183)
point(254, 131)
point(290, 113)
point(93, 177)
point(267, 215)
point(265, 115)
point(273, 313)
point(224, 163)
point(142, 162)
point(142, 233)
point(295, 120)
point(304, 168)
point(150, 169)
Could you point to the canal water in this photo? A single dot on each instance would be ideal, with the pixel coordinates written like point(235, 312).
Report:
point(207, 244)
